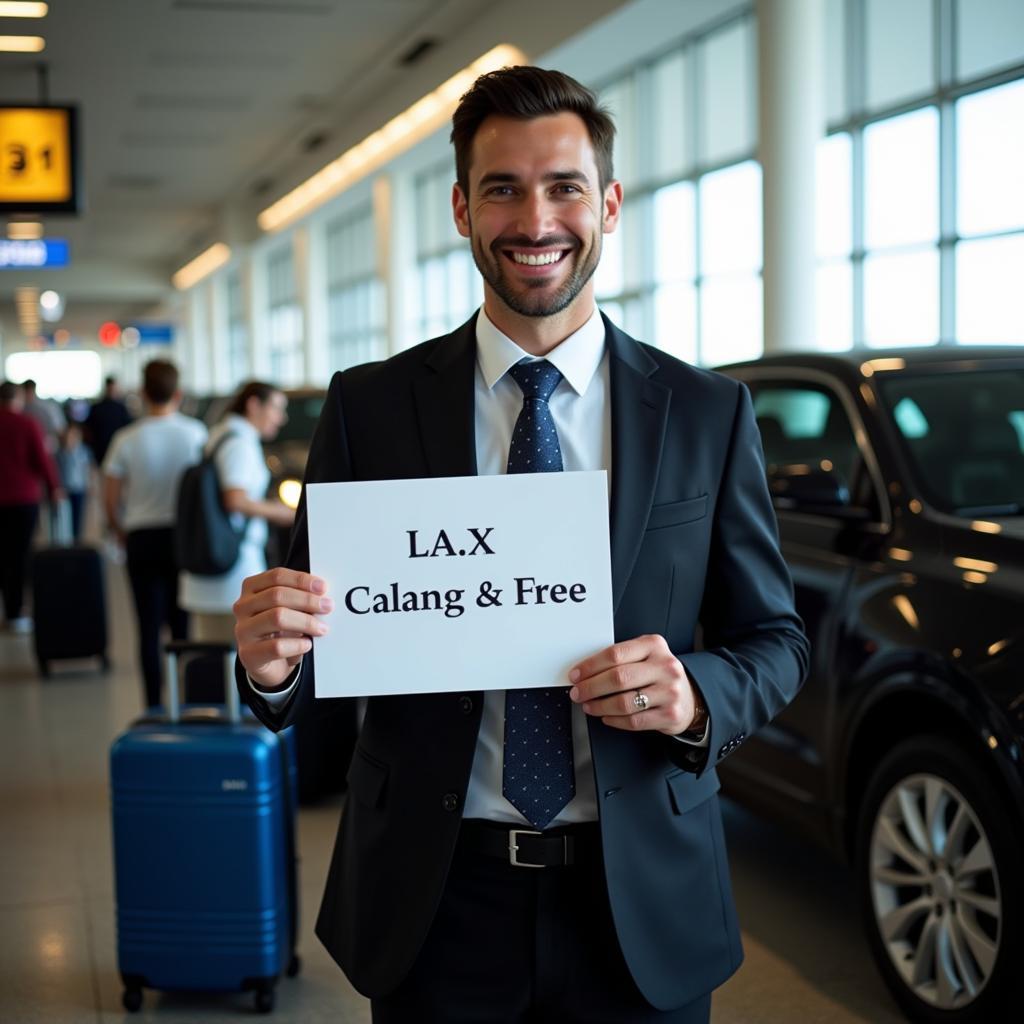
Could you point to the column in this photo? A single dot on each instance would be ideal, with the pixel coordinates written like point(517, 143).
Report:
point(310, 260)
point(791, 120)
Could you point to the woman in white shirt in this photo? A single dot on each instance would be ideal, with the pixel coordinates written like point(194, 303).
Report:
point(257, 413)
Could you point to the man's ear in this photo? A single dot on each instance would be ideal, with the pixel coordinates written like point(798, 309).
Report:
point(612, 206)
point(460, 210)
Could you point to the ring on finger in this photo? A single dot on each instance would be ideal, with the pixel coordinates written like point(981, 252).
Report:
point(641, 700)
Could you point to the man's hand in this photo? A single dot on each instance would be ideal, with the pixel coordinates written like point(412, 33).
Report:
point(275, 619)
point(607, 685)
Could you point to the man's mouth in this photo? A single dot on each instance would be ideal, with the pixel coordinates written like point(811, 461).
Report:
point(536, 259)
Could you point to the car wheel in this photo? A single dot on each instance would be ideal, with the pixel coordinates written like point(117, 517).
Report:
point(940, 887)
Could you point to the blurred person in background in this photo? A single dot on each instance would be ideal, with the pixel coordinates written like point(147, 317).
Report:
point(75, 464)
point(141, 473)
point(25, 468)
point(256, 414)
point(106, 416)
point(47, 413)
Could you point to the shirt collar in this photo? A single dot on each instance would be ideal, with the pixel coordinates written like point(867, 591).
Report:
point(576, 358)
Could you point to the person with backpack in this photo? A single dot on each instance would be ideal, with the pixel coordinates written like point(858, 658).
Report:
point(256, 414)
point(141, 472)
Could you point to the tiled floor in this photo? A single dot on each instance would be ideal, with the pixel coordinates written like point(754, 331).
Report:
point(58, 965)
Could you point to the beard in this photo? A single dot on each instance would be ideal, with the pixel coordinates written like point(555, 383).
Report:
point(532, 298)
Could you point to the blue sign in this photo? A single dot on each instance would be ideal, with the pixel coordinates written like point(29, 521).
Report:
point(155, 334)
point(32, 254)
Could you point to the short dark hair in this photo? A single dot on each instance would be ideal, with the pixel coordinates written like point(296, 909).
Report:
point(525, 93)
point(159, 381)
point(250, 389)
point(8, 391)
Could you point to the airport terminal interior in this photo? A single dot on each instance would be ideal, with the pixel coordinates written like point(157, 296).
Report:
point(822, 197)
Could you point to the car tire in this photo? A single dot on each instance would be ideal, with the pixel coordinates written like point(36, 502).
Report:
point(939, 880)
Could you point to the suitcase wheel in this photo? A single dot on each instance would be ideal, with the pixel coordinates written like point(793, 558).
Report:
point(44, 668)
point(264, 1000)
point(131, 999)
point(294, 966)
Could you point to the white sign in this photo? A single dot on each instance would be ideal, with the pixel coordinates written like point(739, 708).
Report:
point(462, 583)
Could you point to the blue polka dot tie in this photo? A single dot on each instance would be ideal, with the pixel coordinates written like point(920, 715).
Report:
point(538, 777)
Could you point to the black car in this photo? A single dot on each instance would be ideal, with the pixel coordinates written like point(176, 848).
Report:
point(898, 481)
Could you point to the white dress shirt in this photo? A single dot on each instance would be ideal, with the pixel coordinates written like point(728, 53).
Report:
point(581, 408)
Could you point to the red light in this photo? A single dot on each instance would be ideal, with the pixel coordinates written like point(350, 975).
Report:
point(109, 333)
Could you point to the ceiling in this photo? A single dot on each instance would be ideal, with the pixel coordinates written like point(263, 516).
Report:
point(191, 109)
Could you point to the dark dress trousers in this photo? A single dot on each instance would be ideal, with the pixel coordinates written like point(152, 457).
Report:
point(693, 544)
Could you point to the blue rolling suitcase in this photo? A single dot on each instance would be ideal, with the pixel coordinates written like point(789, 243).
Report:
point(204, 848)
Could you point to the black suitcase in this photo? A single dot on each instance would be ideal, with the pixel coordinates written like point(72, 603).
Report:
point(69, 605)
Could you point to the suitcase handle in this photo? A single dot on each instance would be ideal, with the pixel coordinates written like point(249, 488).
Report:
point(172, 651)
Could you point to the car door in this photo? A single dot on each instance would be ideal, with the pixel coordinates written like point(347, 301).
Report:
point(810, 423)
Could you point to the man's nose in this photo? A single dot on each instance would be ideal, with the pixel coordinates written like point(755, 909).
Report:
point(536, 215)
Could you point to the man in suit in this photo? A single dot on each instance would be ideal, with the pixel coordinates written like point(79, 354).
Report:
point(461, 889)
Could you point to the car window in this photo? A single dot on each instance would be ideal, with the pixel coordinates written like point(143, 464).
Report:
point(964, 432)
point(806, 424)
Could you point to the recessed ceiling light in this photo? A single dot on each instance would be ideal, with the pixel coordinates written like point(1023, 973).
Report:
point(22, 44)
point(22, 9)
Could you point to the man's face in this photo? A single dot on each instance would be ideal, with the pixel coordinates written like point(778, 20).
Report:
point(535, 211)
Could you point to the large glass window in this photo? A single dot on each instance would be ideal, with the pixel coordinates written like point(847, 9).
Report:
point(356, 314)
point(284, 319)
point(449, 287)
point(238, 328)
point(683, 267)
point(927, 177)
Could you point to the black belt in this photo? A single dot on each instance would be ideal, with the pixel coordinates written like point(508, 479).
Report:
point(526, 848)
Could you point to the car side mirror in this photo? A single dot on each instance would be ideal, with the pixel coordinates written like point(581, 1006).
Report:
point(800, 486)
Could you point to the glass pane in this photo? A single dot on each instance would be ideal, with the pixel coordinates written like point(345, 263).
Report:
point(834, 196)
point(619, 99)
point(731, 320)
point(434, 291)
point(901, 298)
point(458, 285)
point(675, 320)
point(900, 47)
point(990, 35)
point(730, 219)
point(675, 242)
point(669, 123)
point(836, 107)
point(990, 160)
point(989, 296)
point(962, 434)
point(834, 303)
point(901, 158)
point(726, 95)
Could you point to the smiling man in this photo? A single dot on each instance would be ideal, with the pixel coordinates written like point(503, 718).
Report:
point(551, 854)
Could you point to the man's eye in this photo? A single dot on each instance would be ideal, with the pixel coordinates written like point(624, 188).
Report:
point(566, 188)
point(499, 190)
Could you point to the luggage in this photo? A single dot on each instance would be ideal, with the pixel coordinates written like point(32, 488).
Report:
point(69, 605)
point(204, 848)
point(323, 742)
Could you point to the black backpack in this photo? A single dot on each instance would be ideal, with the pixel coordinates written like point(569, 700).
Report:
point(206, 542)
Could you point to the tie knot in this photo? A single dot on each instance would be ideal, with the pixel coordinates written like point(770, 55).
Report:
point(536, 379)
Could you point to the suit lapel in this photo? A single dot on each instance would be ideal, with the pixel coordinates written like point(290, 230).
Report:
point(444, 398)
point(639, 418)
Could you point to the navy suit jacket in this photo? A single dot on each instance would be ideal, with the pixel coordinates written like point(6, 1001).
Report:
point(694, 554)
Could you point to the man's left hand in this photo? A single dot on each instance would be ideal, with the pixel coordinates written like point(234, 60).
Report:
point(607, 685)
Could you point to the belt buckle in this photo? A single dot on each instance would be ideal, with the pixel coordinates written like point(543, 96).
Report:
point(513, 847)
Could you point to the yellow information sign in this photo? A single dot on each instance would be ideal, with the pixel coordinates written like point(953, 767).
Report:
point(36, 157)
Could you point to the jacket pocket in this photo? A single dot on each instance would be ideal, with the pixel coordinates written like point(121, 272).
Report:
point(367, 778)
point(675, 513)
point(686, 791)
